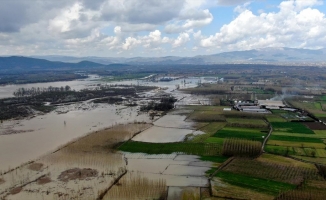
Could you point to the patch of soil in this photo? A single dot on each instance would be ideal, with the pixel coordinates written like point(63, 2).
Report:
point(35, 166)
point(44, 180)
point(1, 181)
point(76, 173)
point(16, 190)
point(315, 125)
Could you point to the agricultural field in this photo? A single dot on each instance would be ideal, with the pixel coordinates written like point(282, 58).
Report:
point(243, 133)
point(229, 152)
point(315, 107)
point(245, 122)
point(264, 177)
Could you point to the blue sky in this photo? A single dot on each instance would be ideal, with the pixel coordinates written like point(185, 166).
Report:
point(129, 28)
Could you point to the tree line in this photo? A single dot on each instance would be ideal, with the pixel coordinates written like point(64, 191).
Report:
point(22, 92)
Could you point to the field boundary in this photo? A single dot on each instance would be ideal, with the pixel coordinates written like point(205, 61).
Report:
point(267, 137)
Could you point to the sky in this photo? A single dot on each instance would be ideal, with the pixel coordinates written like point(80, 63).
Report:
point(156, 28)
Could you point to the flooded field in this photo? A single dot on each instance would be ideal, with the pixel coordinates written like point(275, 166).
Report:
point(169, 128)
point(89, 168)
point(27, 139)
point(8, 90)
point(48, 132)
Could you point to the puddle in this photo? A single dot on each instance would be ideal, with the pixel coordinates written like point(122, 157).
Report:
point(182, 170)
point(162, 135)
point(174, 121)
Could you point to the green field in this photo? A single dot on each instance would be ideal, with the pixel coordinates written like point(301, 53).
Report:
point(215, 159)
point(244, 122)
point(206, 116)
point(321, 135)
point(275, 118)
point(201, 149)
point(296, 144)
point(318, 105)
point(256, 184)
point(295, 139)
point(215, 140)
point(245, 133)
point(291, 127)
point(209, 129)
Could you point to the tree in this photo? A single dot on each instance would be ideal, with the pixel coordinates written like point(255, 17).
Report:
point(67, 88)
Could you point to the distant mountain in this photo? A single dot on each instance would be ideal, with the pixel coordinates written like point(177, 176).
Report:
point(13, 63)
point(269, 55)
point(265, 55)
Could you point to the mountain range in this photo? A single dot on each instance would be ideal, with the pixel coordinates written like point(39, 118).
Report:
point(257, 56)
point(277, 56)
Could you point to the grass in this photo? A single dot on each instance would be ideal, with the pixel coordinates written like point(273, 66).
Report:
point(215, 140)
point(321, 135)
point(323, 98)
point(318, 105)
point(280, 150)
point(312, 159)
point(256, 184)
point(245, 133)
point(249, 123)
point(275, 118)
point(272, 171)
point(214, 127)
point(291, 127)
point(216, 159)
point(280, 160)
point(207, 116)
point(200, 149)
point(210, 129)
point(295, 139)
point(296, 144)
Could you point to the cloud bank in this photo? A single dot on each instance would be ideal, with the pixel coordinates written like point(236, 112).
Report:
point(155, 28)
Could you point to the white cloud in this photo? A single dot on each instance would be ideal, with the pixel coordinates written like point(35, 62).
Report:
point(191, 19)
point(231, 2)
point(295, 25)
point(130, 43)
point(181, 40)
point(63, 22)
point(105, 27)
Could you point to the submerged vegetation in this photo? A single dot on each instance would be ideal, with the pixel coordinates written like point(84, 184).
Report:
point(29, 101)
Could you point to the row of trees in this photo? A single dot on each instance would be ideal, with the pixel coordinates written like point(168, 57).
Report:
point(22, 92)
point(165, 104)
point(241, 147)
point(303, 194)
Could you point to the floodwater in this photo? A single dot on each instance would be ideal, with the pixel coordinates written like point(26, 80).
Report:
point(28, 139)
point(8, 90)
point(176, 172)
point(162, 135)
point(48, 132)
point(174, 121)
point(169, 128)
point(92, 81)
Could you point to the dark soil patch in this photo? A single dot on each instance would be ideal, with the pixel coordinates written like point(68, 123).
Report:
point(16, 190)
point(76, 173)
point(1, 181)
point(44, 180)
point(35, 166)
point(315, 125)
